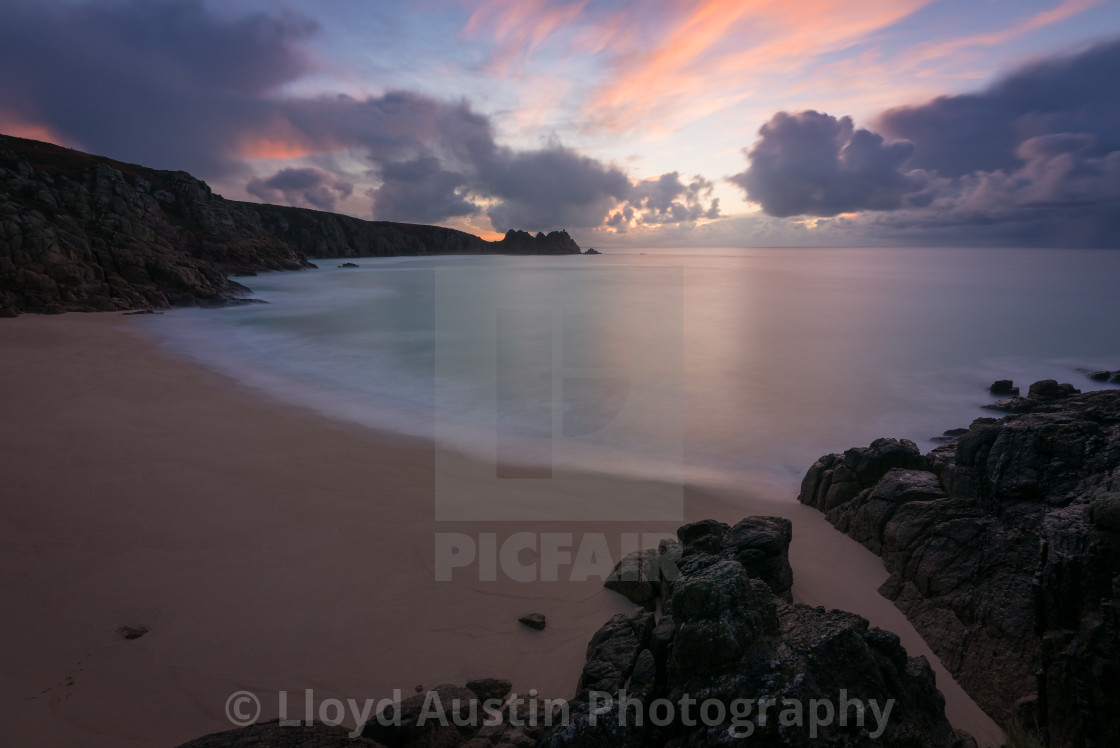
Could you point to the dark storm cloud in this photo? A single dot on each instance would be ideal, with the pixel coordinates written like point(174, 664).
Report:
point(1032, 160)
point(307, 187)
point(168, 84)
point(420, 191)
point(957, 135)
point(549, 188)
point(815, 164)
point(179, 84)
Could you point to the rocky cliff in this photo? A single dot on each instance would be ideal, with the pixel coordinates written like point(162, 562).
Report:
point(85, 233)
point(1004, 550)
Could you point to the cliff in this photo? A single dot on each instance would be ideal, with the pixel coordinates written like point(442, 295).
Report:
point(85, 233)
point(1004, 550)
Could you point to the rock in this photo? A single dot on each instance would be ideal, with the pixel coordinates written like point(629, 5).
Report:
point(761, 546)
point(704, 536)
point(836, 479)
point(1049, 389)
point(728, 638)
point(637, 577)
point(613, 651)
point(489, 688)
point(1004, 387)
point(949, 435)
point(414, 721)
point(524, 243)
point(1004, 551)
point(1013, 405)
point(131, 632)
point(349, 265)
point(1100, 376)
point(534, 621)
point(592, 251)
point(1104, 511)
point(1116, 378)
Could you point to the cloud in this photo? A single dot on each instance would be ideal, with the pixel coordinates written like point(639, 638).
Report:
point(420, 191)
point(1032, 160)
point(958, 135)
point(304, 187)
point(168, 84)
point(666, 200)
point(550, 188)
point(679, 70)
point(176, 84)
point(815, 164)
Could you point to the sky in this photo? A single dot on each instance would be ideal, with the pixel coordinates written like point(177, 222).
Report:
point(636, 124)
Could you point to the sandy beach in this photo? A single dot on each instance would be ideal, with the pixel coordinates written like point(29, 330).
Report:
point(267, 548)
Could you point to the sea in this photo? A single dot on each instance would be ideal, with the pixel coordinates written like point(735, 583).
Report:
point(734, 368)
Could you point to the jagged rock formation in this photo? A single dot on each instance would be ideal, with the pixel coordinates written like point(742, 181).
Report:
point(85, 233)
point(1004, 550)
point(728, 635)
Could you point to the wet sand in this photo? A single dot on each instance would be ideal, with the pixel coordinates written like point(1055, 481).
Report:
point(267, 548)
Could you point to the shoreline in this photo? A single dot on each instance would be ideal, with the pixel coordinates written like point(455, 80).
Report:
point(269, 548)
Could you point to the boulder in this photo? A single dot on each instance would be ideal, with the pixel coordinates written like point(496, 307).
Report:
point(534, 621)
point(1049, 389)
point(1004, 388)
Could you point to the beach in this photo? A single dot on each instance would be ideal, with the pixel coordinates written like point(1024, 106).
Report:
point(267, 548)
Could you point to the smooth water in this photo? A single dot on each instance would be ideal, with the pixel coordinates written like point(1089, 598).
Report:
point(747, 364)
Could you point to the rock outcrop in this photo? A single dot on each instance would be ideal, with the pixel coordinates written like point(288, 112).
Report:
point(1004, 550)
point(730, 661)
point(86, 233)
point(729, 640)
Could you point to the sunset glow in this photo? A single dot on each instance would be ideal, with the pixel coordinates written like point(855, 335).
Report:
point(499, 114)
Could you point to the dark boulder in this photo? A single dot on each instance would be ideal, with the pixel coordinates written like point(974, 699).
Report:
point(1004, 388)
point(534, 621)
point(1049, 389)
point(838, 478)
point(704, 536)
